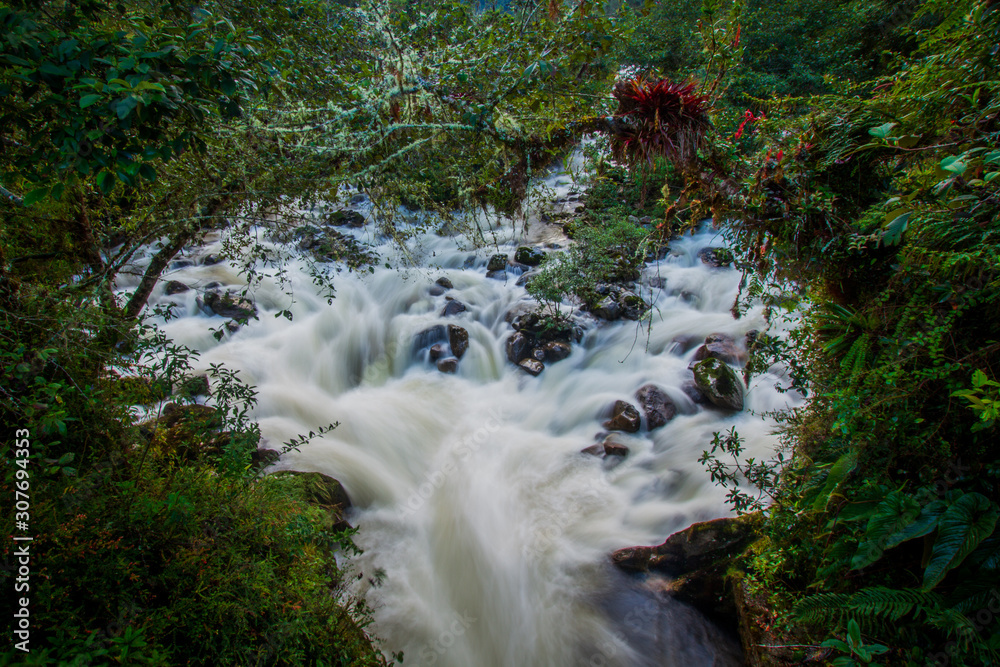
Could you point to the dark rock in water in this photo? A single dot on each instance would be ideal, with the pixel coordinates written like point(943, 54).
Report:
point(330, 245)
point(346, 218)
point(436, 290)
point(719, 383)
point(519, 347)
point(181, 264)
point(213, 259)
point(691, 390)
point(557, 350)
point(458, 339)
point(497, 263)
point(608, 309)
point(658, 282)
point(594, 450)
point(632, 306)
point(436, 351)
point(538, 353)
point(633, 559)
point(469, 262)
point(716, 257)
point(497, 275)
point(720, 346)
point(532, 366)
point(453, 308)
point(427, 337)
point(213, 285)
point(359, 198)
point(449, 365)
point(656, 405)
point(529, 256)
point(264, 457)
point(202, 415)
point(232, 326)
point(525, 278)
point(175, 287)
point(624, 417)
point(228, 305)
point(444, 282)
point(528, 322)
point(193, 386)
point(318, 489)
point(612, 447)
point(704, 544)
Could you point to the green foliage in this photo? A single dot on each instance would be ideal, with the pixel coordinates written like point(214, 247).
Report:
point(761, 476)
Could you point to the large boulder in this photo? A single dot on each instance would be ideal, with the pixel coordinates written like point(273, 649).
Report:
point(656, 405)
point(497, 263)
point(175, 287)
point(346, 218)
point(327, 245)
point(624, 417)
point(716, 257)
point(529, 256)
point(556, 350)
point(722, 347)
point(227, 305)
point(719, 383)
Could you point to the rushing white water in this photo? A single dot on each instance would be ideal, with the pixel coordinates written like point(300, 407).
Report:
point(491, 527)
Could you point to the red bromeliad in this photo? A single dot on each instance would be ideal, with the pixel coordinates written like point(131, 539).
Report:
point(658, 119)
point(748, 117)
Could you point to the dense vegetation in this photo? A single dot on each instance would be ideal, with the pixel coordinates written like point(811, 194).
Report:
point(852, 145)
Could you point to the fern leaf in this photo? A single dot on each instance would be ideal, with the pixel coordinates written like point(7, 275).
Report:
point(966, 523)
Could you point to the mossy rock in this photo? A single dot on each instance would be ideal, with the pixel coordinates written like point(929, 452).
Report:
point(316, 488)
point(529, 256)
point(719, 383)
point(497, 263)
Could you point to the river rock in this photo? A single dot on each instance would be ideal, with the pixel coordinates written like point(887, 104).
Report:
point(624, 417)
point(557, 350)
point(444, 282)
point(594, 450)
point(193, 386)
point(716, 257)
point(720, 346)
point(519, 347)
point(614, 447)
point(631, 305)
point(607, 309)
point(213, 259)
point(458, 339)
point(346, 219)
point(175, 287)
point(318, 489)
point(497, 275)
point(633, 559)
point(656, 405)
point(532, 366)
point(436, 290)
point(719, 383)
point(453, 308)
point(228, 305)
point(691, 390)
point(427, 337)
point(497, 263)
point(436, 351)
point(264, 457)
point(330, 245)
point(706, 543)
point(529, 256)
point(449, 365)
point(538, 353)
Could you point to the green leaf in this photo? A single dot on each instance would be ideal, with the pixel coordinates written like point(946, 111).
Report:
point(954, 164)
point(882, 131)
point(88, 100)
point(147, 172)
point(838, 472)
point(36, 196)
point(897, 511)
point(969, 521)
point(893, 233)
point(925, 523)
